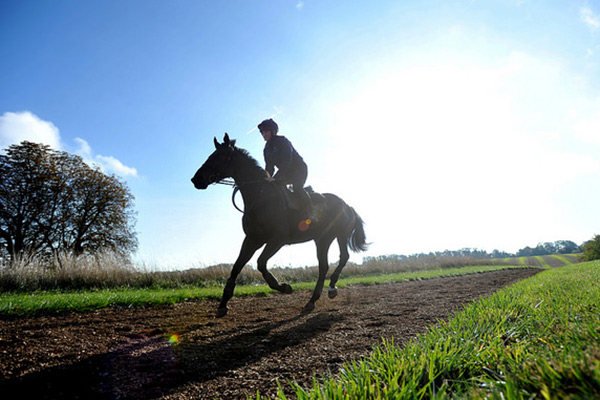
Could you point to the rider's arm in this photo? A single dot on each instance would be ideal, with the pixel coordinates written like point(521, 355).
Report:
point(284, 160)
point(269, 163)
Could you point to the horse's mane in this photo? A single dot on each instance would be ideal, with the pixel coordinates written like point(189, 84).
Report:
point(247, 155)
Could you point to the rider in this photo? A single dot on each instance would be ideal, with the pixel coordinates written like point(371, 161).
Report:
point(291, 168)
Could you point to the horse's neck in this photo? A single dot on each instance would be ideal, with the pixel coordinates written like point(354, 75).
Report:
point(249, 177)
point(247, 170)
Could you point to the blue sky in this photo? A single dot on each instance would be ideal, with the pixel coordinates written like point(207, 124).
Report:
point(446, 124)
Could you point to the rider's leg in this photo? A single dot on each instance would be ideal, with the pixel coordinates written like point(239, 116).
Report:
point(298, 182)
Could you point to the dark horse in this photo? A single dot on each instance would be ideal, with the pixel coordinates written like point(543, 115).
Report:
point(269, 220)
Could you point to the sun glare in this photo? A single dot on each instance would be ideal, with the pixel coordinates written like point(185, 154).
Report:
point(434, 150)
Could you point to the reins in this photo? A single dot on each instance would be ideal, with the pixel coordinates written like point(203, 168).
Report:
point(236, 189)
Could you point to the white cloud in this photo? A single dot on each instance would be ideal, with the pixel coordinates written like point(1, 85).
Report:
point(110, 163)
point(589, 17)
point(107, 164)
point(300, 5)
point(85, 150)
point(20, 126)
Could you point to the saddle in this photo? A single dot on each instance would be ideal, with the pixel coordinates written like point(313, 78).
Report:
point(291, 199)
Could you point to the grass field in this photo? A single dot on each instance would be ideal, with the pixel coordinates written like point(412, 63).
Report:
point(88, 284)
point(52, 302)
point(105, 271)
point(535, 339)
point(538, 339)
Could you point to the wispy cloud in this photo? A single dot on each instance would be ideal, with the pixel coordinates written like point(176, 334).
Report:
point(107, 164)
point(300, 5)
point(590, 18)
point(20, 126)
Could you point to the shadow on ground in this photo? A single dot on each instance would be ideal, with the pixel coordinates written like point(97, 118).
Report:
point(148, 366)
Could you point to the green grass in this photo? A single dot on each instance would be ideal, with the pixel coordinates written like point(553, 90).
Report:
point(535, 339)
point(52, 302)
point(45, 303)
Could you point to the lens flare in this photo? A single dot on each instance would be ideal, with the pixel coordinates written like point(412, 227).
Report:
point(304, 224)
point(174, 339)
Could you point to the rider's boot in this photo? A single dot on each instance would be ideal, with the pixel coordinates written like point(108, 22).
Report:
point(306, 204)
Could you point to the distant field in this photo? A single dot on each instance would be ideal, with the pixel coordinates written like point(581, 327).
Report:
point(551, 261)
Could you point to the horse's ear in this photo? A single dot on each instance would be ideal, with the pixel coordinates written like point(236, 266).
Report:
point(227, 141)
point(216, 143)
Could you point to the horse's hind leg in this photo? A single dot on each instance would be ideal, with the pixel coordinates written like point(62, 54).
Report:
point(344, 257)
point(322, 250)
point(270, 249)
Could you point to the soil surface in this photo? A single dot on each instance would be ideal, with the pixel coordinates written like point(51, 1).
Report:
point(181, 351)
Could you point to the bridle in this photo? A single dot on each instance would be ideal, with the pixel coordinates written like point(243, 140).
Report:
point(234, 185)
point(214, 177)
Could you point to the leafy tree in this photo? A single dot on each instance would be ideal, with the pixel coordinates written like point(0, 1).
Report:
point(591, 249)
point(543, 249)
point(51, 201)
point(526, 252)
point(500, 254)
point(567, 247)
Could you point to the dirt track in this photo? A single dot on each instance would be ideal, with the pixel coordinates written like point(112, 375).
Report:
point(126, 353)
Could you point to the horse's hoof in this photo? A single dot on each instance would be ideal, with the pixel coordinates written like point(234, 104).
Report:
point(221, 312)
point(332, 292)
point(285, 288)
point(309, 307)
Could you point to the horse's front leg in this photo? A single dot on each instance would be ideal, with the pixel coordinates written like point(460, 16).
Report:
point(248, 249)
point(270, 249)
point(322, 250)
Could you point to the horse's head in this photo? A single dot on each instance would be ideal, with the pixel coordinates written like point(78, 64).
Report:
point(217, 166)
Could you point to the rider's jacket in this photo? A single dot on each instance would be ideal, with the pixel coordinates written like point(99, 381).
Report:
point(280, 153)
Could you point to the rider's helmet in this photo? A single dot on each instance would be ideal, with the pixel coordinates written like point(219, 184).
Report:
point(269, 125)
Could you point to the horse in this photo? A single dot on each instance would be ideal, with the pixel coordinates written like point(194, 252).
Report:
point(269, 220)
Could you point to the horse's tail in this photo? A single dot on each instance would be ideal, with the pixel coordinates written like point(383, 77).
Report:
point(358, 239)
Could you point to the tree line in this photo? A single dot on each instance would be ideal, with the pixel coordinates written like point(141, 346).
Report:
point(542, 249)
point(53, 202)
point(547, 248)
